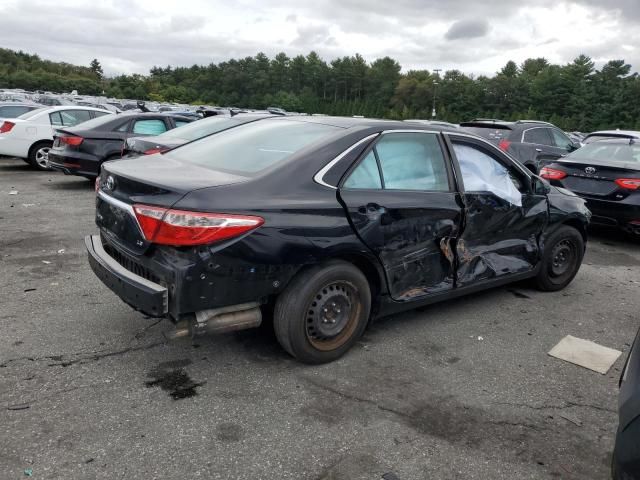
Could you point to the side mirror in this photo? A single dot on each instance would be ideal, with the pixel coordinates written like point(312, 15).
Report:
point(540, 186)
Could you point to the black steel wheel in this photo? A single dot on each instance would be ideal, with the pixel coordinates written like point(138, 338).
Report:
point(561, 260)
point(322, 312)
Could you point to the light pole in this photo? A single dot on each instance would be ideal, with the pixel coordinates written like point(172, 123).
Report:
point(435, 86)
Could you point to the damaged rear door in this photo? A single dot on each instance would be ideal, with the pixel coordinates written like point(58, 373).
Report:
point(503, 216)
point(401, 200)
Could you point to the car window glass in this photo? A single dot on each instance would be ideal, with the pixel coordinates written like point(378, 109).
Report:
point(11, 111)
point(74, 117)
point(539, 136)
point(55, 119)
point(412, 161)
point(149, 127)
point(99, 114)
point(365, 175)
point(483, 173)
point(122, 128)
point(560, 139)
point(180, 123)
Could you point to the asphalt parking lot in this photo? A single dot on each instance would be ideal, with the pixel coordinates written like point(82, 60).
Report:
point(459, 390)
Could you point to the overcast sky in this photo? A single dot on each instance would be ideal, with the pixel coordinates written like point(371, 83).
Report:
point(475, 36)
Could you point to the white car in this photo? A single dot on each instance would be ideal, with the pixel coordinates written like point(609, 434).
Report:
point(30, 136)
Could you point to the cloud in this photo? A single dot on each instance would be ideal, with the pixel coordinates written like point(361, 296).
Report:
point(131, 36)
point(467, 29)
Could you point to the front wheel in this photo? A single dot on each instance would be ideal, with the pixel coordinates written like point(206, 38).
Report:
point(561, 260)
point(39, 155)
point(322, 312)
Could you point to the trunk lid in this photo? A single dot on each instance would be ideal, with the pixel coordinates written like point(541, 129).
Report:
point(597, 177)
point(150, 180)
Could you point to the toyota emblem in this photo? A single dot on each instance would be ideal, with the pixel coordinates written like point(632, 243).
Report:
point(589, 170)
point(110, 184)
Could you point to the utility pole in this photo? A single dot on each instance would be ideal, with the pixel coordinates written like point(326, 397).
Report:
point(435, 85)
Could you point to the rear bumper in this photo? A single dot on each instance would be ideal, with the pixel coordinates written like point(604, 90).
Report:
point(82, 165)
point(138, 292)
point(616, 214)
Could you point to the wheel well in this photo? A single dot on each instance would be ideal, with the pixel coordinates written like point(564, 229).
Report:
point(35, 144)
point(371, 273)
point(578, 225)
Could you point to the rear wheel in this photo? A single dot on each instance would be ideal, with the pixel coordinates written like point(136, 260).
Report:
point(322, 312)
point(561, 259)
point(39, 155)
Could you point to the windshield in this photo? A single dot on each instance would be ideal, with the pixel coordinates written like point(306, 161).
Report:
point(490, 132)
point(612, 150)
point(254, 146)
point(208, 126)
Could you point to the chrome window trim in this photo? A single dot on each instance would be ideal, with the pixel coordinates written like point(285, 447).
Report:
point(514, 162)
point(121, 205)
point(319, 176)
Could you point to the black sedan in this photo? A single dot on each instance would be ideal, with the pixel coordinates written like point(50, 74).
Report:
point(166, 141)
point(83, 149)
point(332, 221)
point(626, 454)
point(606, 173)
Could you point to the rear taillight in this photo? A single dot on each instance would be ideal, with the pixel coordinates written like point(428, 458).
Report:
point(151, 151)
point(552, 173)
point(183, 228)
point(504, 145)
point(629, 183)
point(6, 126)
point(71, 140)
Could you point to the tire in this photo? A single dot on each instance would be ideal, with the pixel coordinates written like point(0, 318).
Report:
point(561, 259)
point(322, 312)
point(38, 155)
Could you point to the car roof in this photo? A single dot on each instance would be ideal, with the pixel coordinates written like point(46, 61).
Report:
point(615, 133)
point(20, 104)
point(350, 122)
point(504, 124)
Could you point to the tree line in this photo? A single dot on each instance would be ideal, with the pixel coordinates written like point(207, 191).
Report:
point(575, 96)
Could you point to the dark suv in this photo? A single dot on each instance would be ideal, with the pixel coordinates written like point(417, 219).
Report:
point(531, 142)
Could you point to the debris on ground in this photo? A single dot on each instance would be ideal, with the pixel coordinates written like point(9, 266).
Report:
point(28, 204)
point(61, 251)
point(585, 353)
point(28, 472)
point(13, 192)
point(480, 338)
point(46, 262)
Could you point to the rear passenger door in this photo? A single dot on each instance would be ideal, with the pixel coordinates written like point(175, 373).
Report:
point(503, 215)
point(400, 199)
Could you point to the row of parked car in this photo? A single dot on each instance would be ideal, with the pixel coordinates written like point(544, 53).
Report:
point(602, 167)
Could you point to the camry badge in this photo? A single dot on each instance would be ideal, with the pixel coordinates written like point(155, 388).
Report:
point(110, 184)
point(589, 170)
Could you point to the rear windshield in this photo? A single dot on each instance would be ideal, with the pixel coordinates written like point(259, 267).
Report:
point(202, 128)
point(599, 138)
point(254, 146)
point(489, 132)
point(33, 113)
point(14, 111)
point(611, 150)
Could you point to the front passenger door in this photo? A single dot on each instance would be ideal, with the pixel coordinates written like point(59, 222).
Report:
point(401, 201)
point(503, 216)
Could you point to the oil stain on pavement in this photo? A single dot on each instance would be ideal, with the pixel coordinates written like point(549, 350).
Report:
point(171, 377)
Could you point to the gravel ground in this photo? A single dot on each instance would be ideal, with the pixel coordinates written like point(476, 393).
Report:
point(463, 389)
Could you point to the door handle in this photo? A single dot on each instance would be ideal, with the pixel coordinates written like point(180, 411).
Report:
point(539, 150)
